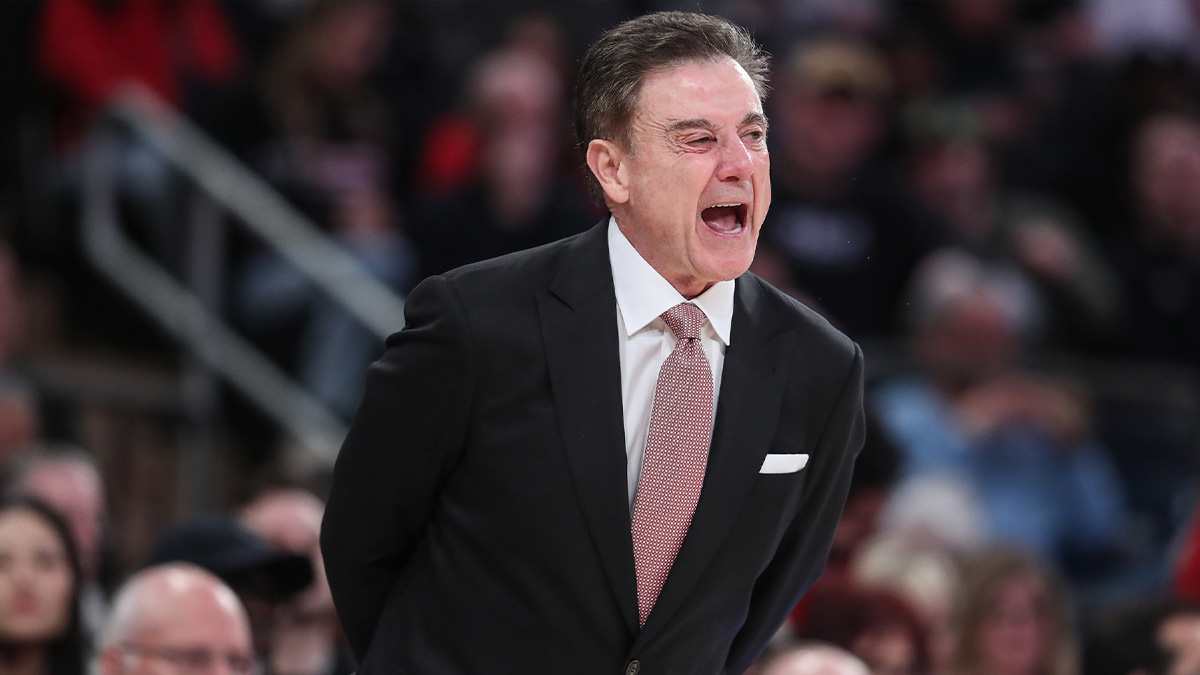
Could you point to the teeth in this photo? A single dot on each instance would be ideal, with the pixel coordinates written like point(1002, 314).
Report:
point(717, 206)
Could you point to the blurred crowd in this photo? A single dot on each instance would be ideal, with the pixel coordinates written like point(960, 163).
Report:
point(999, 200)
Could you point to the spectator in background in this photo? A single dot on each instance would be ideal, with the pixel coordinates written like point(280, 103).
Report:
point(452, 146)
point(527, 190)
point(812, 659)
point(307, 639)
point(183, 52)
point(1148, 636)
point(264, 580)
point(172, 619)
point(1012, 617)
point(1021, 443)
point(39, 583)
point(89, 49)
point(876, 625)
point(957, 178)
point(1158, 254)
point(66, 479)
point(315, 125)
point(928, 529)
point(839, 234)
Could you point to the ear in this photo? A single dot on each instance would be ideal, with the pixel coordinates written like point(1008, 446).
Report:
point(606, 160)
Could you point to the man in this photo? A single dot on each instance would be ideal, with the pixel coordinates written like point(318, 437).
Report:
point(263, 579)
point(522, 490)
point(176, 618)
point(306, 636)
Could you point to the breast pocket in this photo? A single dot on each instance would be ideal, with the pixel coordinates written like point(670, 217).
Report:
point(784, 462)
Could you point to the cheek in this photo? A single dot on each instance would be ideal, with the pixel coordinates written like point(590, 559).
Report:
point(57, 588)
point(762, 190)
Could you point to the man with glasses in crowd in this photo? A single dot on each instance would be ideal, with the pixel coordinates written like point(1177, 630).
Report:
point(176, 619)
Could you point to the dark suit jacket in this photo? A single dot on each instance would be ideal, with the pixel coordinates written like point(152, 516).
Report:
point(479, 518)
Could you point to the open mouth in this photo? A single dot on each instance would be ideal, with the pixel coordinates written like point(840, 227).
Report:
point(728, 218)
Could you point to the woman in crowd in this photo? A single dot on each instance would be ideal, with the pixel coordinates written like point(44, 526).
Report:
point(39, 585)
point(1011, 617)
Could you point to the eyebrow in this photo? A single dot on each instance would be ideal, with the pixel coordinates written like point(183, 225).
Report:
point(689, 125)
point(700, 123)
point(755, 118)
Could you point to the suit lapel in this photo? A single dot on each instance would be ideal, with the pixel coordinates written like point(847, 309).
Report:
point(579, 328)
point(752, 383)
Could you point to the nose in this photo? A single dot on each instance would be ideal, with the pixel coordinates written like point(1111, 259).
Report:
point(737, 164)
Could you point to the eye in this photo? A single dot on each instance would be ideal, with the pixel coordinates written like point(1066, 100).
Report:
point(701, 141)
point(756, 135)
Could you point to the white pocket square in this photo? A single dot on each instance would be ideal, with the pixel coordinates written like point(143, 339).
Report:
point(789, 463)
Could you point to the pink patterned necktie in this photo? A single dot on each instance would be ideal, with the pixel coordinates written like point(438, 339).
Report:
point(676, 453)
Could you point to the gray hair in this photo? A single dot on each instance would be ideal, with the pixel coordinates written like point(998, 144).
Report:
point(616, 65)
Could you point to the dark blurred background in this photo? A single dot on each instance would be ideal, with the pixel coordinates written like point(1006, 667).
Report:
point(210, 212)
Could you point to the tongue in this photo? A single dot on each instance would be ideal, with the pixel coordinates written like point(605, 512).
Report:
point(721, 218)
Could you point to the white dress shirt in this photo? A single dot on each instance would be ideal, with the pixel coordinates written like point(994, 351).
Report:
point(645, 341)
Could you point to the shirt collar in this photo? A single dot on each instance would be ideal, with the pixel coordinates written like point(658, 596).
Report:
point(643, 294)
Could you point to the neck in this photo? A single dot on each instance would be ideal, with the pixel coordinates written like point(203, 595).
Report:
point(688, 288)
point(23, 660)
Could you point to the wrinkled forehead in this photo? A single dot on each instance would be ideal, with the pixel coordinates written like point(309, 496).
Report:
point(716, 90)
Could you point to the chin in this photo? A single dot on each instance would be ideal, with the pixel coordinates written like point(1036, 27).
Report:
point(732, 264)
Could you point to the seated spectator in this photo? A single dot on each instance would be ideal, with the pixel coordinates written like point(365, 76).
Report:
point(314, 124)
point(814, 659)
point(876, 625)
point(1012, 616)
point(264, 580)
point(839, 235)
point(308, 638)
point(930, 526)
point(88, 49)
point(1152, 636)
point(1158, 254)
point(527, 190)
point(957, 178)
point(176, 618)
point(39, 600)
point(67, 479)
point(1022, 443)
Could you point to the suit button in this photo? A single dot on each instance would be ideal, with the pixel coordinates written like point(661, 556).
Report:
point(633, 667)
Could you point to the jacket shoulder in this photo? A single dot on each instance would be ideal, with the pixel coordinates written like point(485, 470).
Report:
point(795, 315)
point(517, 274)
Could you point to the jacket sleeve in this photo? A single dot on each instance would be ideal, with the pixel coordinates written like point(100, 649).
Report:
point(403, 444)
point(810, 535)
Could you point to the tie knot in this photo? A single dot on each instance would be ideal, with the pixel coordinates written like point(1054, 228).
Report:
point(684, 320)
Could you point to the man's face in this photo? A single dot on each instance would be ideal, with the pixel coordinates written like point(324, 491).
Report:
point(696, 183)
